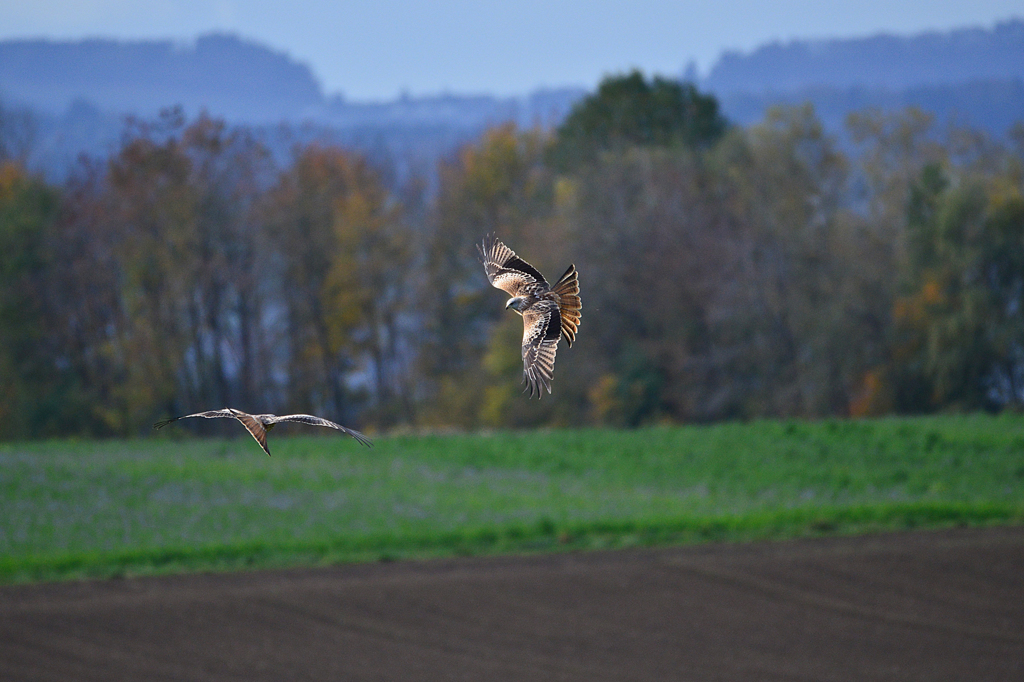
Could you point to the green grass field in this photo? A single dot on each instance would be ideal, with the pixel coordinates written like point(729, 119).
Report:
point(104, 508)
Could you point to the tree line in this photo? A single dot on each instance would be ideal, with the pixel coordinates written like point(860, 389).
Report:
point(727, 273)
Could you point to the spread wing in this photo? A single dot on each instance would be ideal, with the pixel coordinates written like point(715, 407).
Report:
point(251, 423)
point(211, 414)
point(542, 327)
point(509, 272)
point(317, 421)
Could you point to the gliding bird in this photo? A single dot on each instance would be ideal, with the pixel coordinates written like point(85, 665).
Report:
point(259, 424)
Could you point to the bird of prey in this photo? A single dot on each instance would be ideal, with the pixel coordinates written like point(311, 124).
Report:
point(259, 424)
point(549, 312)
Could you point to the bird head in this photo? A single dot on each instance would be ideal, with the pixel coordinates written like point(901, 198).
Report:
point(516, 304)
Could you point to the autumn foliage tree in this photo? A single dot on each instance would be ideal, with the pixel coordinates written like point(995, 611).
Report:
point(32, 385)
point(726, 272)
point(343, 273)
point(960, 316)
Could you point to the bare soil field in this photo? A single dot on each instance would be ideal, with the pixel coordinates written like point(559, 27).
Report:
point(930, 605)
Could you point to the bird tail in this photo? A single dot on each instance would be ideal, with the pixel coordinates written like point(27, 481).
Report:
point(569, 305)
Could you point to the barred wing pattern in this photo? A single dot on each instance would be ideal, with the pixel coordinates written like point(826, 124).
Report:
point(258, 424)
point(508, 272)
point(541, 331)
point(567, 295)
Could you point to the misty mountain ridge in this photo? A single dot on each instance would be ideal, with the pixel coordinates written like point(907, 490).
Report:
point(81, 90)
point(244, 81)
point(236, 78)
point(968, 76)
point(882, 61)
point(227, 76)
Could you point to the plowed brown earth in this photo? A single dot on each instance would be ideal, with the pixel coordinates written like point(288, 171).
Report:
point(939, 605)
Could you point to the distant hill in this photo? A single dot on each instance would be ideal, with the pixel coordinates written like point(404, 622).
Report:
point(80, 91)
point(231, 77)
point(882, 61)
point(968, 76)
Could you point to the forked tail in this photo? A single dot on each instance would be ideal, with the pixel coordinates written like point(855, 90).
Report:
point(569, 305)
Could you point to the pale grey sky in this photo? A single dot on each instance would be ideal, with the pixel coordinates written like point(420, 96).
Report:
point(375, 49)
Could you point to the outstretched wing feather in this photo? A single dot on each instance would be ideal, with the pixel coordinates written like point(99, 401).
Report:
point(541, 331)
point(209, 414)
point(320, 421)
point(507, 271)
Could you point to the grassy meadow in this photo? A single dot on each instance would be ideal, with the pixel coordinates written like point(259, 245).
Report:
point(104, 508)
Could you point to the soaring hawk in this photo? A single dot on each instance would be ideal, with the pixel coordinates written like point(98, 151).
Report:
point(549, 312)
point(259, 424)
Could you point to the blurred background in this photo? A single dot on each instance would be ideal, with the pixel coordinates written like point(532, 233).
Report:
point(809, 211)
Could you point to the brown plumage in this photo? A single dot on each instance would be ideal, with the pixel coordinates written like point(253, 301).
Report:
point(259, 424)
point(549, 312)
